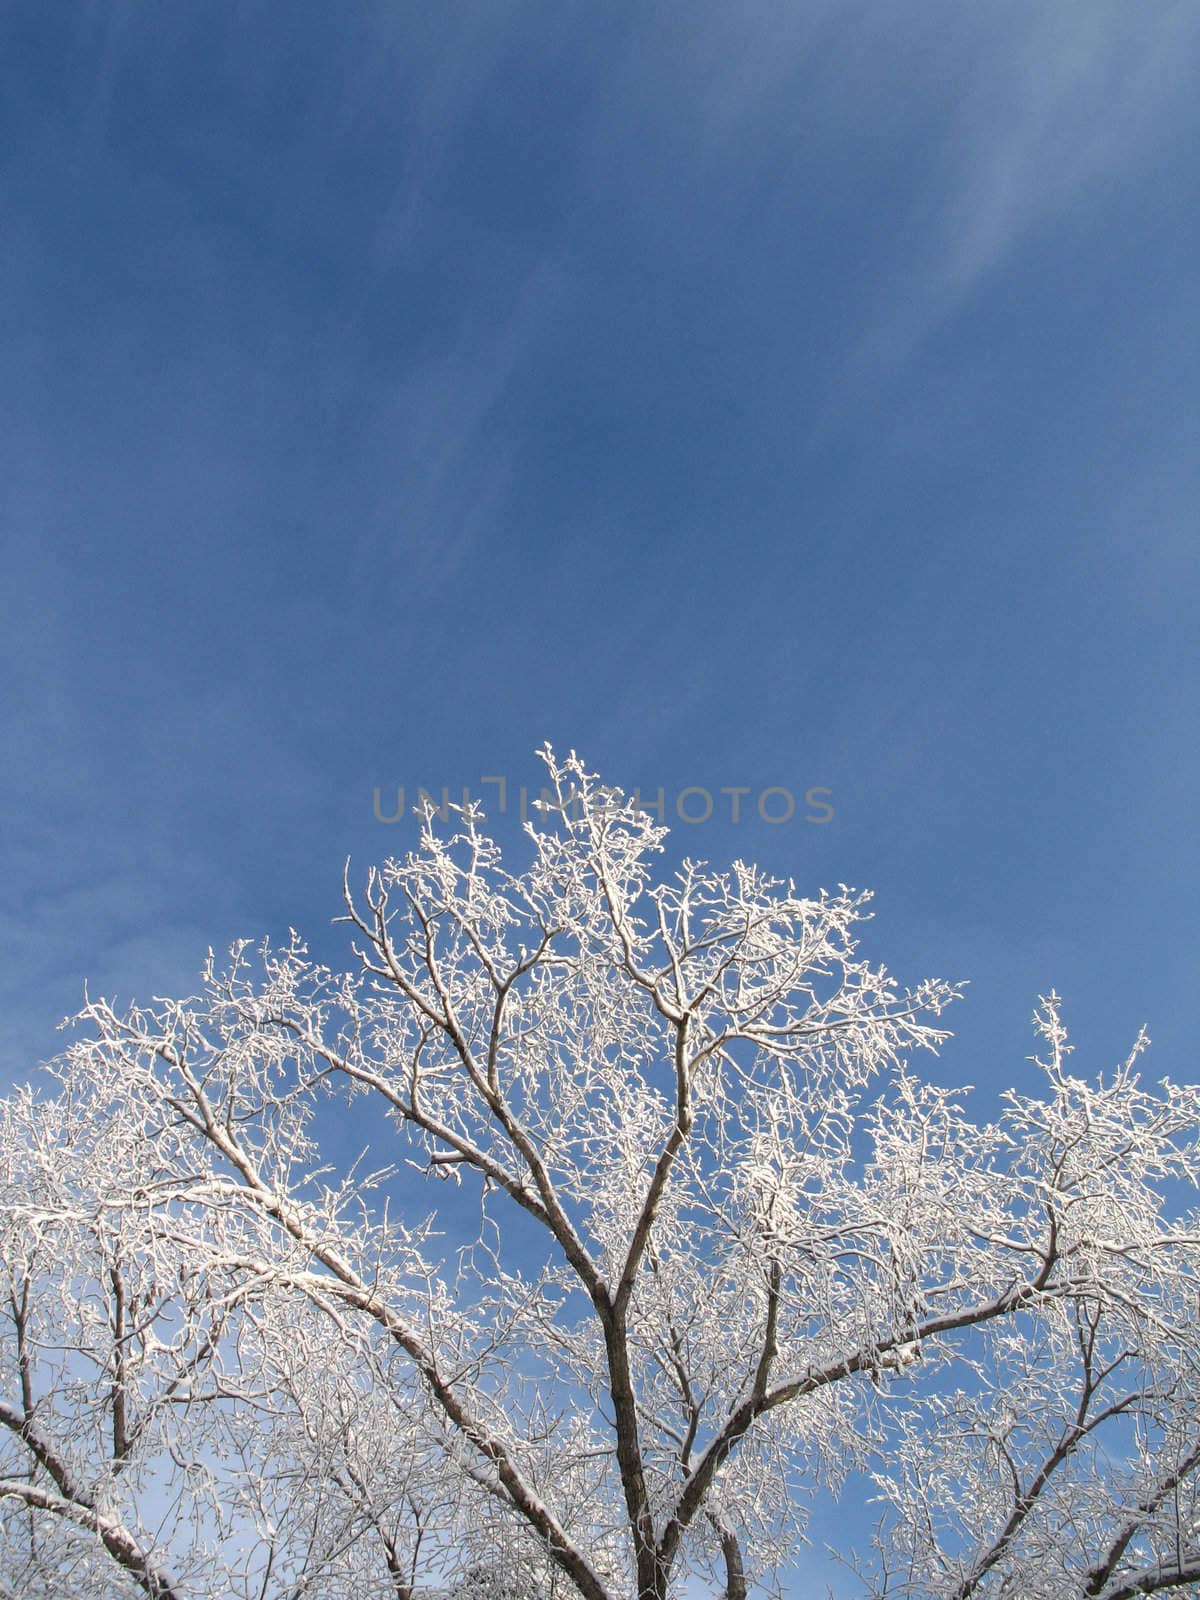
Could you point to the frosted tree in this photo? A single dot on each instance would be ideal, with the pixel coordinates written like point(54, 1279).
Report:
point(730, 1248)
point(171, 1426)
point(1060, 1457)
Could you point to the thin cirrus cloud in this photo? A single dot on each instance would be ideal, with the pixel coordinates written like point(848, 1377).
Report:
point(1050, 106)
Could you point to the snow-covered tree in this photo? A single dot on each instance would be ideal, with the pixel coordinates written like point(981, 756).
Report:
point(170, 1425)
point(730, 1250)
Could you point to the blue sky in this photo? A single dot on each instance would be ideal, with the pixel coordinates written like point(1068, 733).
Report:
point(771, 395)
point(754, 395)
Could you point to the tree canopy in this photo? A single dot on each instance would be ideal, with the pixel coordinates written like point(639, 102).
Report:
point(731, 1250)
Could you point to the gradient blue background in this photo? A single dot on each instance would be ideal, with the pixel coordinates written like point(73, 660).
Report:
point(771, 394)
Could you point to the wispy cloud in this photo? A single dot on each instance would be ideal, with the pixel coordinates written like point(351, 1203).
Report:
point(1049, 106)
point(436, 451)
point(1082, 96)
